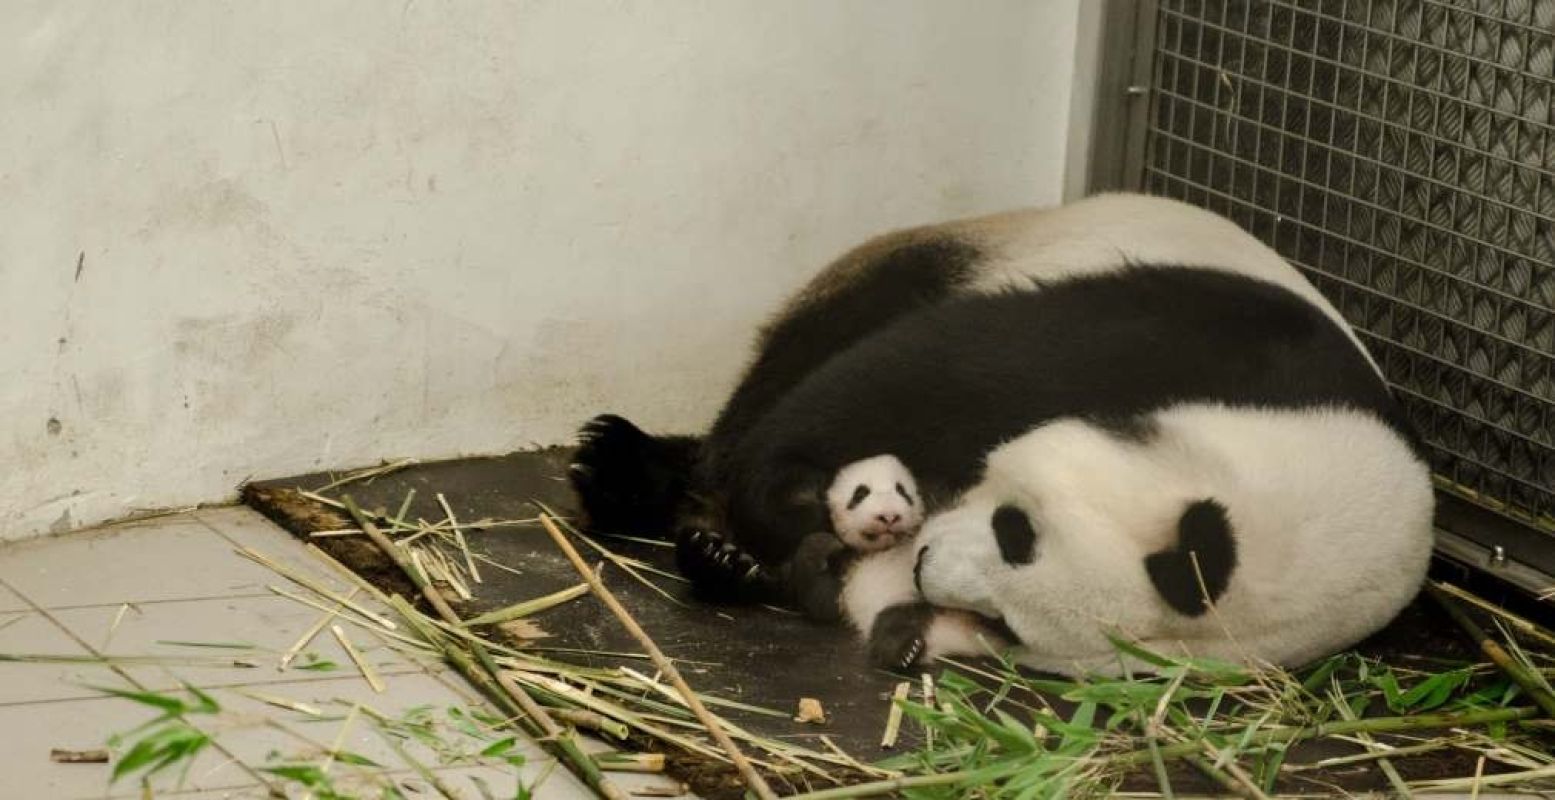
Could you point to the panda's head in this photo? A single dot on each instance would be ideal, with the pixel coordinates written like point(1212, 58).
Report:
point(965, 551)
point(874, 503)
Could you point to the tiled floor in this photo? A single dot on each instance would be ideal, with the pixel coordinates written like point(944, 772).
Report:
point(145, 607)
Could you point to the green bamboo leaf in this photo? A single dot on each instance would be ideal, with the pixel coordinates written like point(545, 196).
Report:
point(499, 747)
point(347, 757)
point(170, 705)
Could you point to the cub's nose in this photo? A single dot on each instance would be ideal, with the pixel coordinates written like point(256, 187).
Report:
point(888, 519)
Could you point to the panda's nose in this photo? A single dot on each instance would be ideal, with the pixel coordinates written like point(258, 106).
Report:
point(889, 519)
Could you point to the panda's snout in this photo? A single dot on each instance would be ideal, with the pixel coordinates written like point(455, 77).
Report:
point(917, 569)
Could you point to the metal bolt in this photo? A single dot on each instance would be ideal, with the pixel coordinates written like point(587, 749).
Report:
point(1498, 556)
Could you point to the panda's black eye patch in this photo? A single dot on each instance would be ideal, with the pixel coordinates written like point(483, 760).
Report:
point(902, 490)
point(858, 496)
point(1017, 539)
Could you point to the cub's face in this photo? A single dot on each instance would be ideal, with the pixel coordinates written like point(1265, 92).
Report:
point(874, 504)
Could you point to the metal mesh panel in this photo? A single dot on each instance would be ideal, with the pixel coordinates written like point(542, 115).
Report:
point(1402, 154)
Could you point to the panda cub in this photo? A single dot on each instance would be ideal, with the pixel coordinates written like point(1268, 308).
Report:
point(874, 504)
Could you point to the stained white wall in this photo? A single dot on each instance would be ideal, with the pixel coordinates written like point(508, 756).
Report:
point(250, 239)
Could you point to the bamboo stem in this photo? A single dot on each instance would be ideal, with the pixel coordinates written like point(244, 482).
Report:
point(1217, 775)
point(1494, 651)
point(893, 785)
point(753, 779)
point(893, 717)
point(1373, 725)
point(487, 675)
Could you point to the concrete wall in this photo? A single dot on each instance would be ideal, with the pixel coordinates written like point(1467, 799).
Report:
point(251, 239)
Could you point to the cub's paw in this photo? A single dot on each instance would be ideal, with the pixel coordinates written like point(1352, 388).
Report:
point(814, 576)
point(896, 639)
point(623, 479)
point(719, 571)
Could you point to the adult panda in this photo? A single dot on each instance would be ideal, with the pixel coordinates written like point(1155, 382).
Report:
point(940, 344)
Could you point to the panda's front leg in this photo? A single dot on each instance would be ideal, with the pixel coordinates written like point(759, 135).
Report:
point(721, 571)
point(879, 599)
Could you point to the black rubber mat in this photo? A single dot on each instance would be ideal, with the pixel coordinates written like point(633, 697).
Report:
point(755, 655)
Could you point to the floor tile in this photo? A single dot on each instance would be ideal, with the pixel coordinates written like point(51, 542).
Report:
point(11, 601)
point(415, 703)
point(545, 779)
point(266, 626)
point(166, 559)
point(85, 725)
point(246, 527)
point(31, 633)
point(255, 792)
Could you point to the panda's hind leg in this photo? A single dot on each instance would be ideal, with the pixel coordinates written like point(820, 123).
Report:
point(630, 482)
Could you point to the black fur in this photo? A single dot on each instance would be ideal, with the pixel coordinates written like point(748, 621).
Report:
point(1017, 539)
point(896, 638)
point(902, 279)
point(719, 572)
point(629, 482)
point(1136, 428)
point(1112, 346)
point(859, 495)
point(1206, 550)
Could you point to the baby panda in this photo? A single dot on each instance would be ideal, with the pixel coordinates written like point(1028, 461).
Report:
point(1240, 534)
point(874, 504)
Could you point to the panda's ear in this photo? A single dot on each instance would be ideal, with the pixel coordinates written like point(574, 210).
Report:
point(1013, 531)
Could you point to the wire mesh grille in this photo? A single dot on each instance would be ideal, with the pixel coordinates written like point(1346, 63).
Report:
point(1401, 153)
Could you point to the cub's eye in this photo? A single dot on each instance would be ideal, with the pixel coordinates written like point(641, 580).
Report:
point(1017, 539)
point(902, 490)
point(858, 496)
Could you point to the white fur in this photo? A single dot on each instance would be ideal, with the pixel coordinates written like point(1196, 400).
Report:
point(1330, 510)
point(885, 579)
point(884, 517)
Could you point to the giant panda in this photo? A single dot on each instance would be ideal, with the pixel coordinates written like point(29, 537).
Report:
point(1256, 534)
point(944, 344)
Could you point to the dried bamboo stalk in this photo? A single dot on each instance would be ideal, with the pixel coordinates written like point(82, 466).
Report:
point(487, 675)
point(753, 779)
point(1494, 651)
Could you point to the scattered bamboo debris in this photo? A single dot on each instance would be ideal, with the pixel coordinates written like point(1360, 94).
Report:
point(308, 635)
point(528, 608)
point(893, 720)
point(810, 710)
point(981, 725)
point(753, 779)
point(453, 523)
point(368, 673)
point(487, 676)
point(368, 474)
point(1531, 682)
point(59, 756)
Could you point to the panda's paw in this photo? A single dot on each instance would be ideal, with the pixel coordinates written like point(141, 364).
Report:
point(719, 571)
point(897, 637)
point(619, 479)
